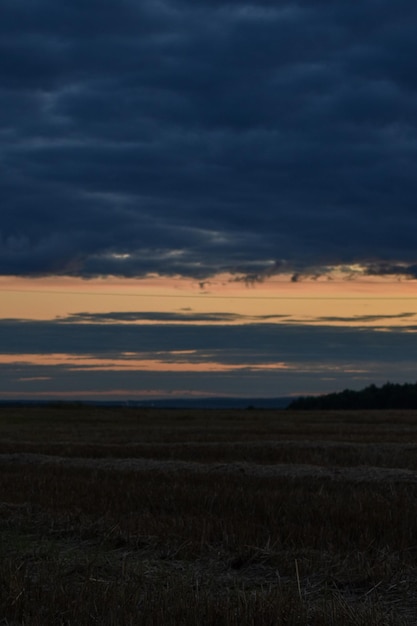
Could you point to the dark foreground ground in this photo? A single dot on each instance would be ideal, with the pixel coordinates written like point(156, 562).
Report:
point(186, 517)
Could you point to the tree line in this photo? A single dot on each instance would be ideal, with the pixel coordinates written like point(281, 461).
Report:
point(389, 396)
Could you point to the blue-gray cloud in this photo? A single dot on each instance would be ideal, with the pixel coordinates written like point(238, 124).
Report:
point(193, 137)
point(191, 317)
point(240, 343)
point(317, 359)
point(166, 317)
point(364, 318)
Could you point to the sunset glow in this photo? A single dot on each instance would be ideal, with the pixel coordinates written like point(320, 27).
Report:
point(212, 199)
point(306, 300)
point(81, 363)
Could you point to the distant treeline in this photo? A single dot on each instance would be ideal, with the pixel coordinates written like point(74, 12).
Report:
point(389, 396)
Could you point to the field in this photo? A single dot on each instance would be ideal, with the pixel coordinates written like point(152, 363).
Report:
point(179, 517)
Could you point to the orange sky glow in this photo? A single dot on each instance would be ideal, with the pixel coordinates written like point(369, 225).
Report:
point(51, 297)
point(342, 300)
point(75, 363)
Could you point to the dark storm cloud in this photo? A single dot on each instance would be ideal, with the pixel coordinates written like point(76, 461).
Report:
point(188, 138)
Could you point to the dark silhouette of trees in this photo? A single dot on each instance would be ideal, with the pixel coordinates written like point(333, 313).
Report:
point(389, 396)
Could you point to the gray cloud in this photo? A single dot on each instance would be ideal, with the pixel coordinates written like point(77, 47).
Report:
point(238, 343)
point(191, 317)
point(364, 318)
point(158, 316)
point(402, 270)
point(318, 358)
point(64, 382)
point(233, 135)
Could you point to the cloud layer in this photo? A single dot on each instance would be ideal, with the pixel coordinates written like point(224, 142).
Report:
point(74, 358)
point(192, 137)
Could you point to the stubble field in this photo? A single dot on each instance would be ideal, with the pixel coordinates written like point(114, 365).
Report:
point(180, 517)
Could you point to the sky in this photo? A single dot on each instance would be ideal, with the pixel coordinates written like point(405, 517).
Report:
point(206, 198)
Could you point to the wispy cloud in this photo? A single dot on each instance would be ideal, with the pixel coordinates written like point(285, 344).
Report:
point(184, 317)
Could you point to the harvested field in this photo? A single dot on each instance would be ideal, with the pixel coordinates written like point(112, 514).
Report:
point(127, 516)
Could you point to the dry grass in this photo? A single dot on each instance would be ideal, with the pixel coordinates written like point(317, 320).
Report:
point(113, 545)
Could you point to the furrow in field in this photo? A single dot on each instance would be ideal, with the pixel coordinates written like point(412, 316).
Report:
point(355, 474)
